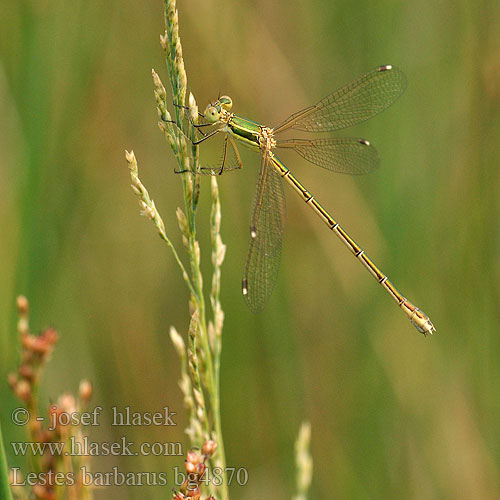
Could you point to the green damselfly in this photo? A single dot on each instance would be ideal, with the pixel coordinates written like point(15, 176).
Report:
point(354, 103)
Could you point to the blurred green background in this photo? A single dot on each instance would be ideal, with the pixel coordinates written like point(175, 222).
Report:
point(393, 415)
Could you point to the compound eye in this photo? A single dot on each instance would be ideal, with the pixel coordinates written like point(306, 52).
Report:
point(211, 114)
point(226, 102)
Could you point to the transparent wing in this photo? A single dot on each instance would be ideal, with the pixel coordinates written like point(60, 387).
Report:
point(354, 103)
point(266, 231)
point(347, 155)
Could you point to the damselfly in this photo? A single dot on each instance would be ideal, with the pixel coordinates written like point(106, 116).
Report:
point(354, 103)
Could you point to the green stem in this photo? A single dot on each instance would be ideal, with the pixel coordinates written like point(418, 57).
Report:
point(213, 391)
point(185, 275)
point(4, 472)
point(190, 184)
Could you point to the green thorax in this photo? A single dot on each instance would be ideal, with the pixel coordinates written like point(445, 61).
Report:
point(245, 131)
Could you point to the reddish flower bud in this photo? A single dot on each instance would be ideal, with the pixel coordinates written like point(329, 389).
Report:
point(28, 341)
point(50, 336)
point(192, 457)
point(85, 390)
point(190, 467)
point(12, 380)
point(208, 447)
point(26, 371)
point(22, 305)
point(193, 494)
point(67, 403)
point(23, 390)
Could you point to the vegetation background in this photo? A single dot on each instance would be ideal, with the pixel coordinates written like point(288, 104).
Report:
point(393, 415)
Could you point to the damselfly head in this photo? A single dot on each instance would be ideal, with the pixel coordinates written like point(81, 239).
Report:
point(213, 111)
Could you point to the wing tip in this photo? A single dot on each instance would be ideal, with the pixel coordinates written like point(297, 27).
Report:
point(398, 75)
point(385, 67)
point(254, 305)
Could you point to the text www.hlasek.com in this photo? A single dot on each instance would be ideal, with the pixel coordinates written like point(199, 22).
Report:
point(84, 447)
